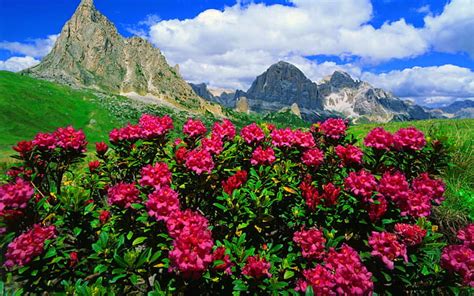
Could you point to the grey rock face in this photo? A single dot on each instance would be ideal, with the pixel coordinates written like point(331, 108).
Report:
point(91, 53)
point(458, 106)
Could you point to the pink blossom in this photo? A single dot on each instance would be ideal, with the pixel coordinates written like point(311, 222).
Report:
point(434, 188)
point(70, 139)
point(409, 138)
point(377, 208)
point(310, 193)
point(123, 195)
point(162, 203)
point(303, 139)
point(311, 242)
point(263, 156)
point(320, 278)
point(155, 127)
point(16, 195)
point(101, 148)
point(28, 245)
point(94, 165)
point(313, 157)
point(459, 259)
point(252, 133)
point(224, 130)
point(349, 154)
point(379, 138)
point(256, 267)
point(194, 128)
point(234, 182)
point(386, 247)
point(213, 145)
point(394, 186)
point(220, 255)
point(179, 220)
point(361, 183)
point(411, 235)
point(333, 128)
point(181, 154)
point(24, 148)
point(330, 194)
point(199, 161)
point(282, 137)
point(467, 236)
point(129, 133)
point(416, 205)
point(45, 141)
point(155, 176)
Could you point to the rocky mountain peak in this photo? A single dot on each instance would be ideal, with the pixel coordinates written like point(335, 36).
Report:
point(341, 79)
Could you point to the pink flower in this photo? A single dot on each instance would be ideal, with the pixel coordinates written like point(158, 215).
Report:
point(252, 133)
point(180, 154)
point(129, 133)
point(94, 165)
point(409, 138)
point(387, 248)
point(234, 182)
point(101, 148)
point(104, 216)
point(330, 194)
point(28, 245)
point(434, 188)
point(379, 138)
point(349, 154)
point(123, 195)
point(310, 193)
point(162, 203)
point(213, 145)
point(262, 156)
point(224, 130)
point(155, 176)
point(179, 220)
point(467, 236)
point(361, 183)
point(282, 137)
point(311, 242)
point(24, 148)
point(313, 157)
point(411, 235)
point(415, 204)
point(256, 267)
point(377, 208)
point(220, 255)
point(45, 141)
point(333, 128)
point(194, 128)
point(394, 186)
point(70, 139)
point(320, 279)
point(199, 161)
point(303, 139)
point(16, 195)
point(459, 259)
point(155, 127)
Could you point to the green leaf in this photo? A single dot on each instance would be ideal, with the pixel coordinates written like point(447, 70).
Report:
point(138, 240)
point(51, 252)
point(100, 268)
point(288, 274)
point(309, 291)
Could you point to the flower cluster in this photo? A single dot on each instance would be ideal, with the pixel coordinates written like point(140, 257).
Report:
point(432, 188)
point(70, 139)
point(101, 148)
point(199, 161)
point(194, 128)
point(28, 245)
point(409, 138)
point(15, 196)
point(224, 130)
point(303, 140)
point(394, 186)
point(257, 267)
point(459, 259)
point(162, 203)
point(379, 138)
point(213, 145)
point(313, 157)
point(386, 247)
point(411, 235)
point(311, 242)
point(263, 156)
point(361, 183)
point(282, 137)
point(377, 208)
point(24, 148)
point(155, 176)
point(310, 193)
point(234, 182)
point(155, 127)
point(330, 194)
point(252, 133)
point(334, 128)
point(319, 278)
point(123, 195)
point(225, 262)
point(349, 154)
point(467, 236)
point(129, 133)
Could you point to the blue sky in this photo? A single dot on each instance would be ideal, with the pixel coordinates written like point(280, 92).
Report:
point(420, 50)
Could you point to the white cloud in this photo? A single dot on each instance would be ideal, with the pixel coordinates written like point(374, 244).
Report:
point(35, 48)
point(15, 64)
point(425, 9)
point(427, 85)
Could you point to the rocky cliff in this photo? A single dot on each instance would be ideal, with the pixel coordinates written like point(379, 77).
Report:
point(91, 53)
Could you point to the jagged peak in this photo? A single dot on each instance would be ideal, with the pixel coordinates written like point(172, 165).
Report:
point(342, 79)
point(87, 3)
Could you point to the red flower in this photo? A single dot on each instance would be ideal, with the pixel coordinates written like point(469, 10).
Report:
point(70, 139)
point(262, 156)
point(180, 154)
point(415, 204)
point(129, 133)
point(252, 133)
point(28, 245)
point(94, 165)
point(162, 203)
point(282, 137)
point(349, 154)
point(333, 128)
point(24, 148)
point(459, 259)
point(377, 208)
point(213, 145)
point(256, 267)
point(379, 138)
point(313, 157)
point(73, 259)
point(104, 216)
point(234, 182)
point(394, 186)
point(303, 139)
point(155, 127)
point(330, 194)
point(101, 148)
point(155, 176)
point(199, 161)
point(467, 236)
point(310, 193)
point(409, 138)
point(434, 188)
point(411, 235)
point(224, 130)
point(177, 221)
point(123, 195)
point(45, 141)
point(15, 196)
point(386, 247)
point(194, 128)
point(361, 183)
point(320, 279)
point(311, 242)
point(220, 255)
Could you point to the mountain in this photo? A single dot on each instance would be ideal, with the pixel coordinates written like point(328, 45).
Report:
point(460, 109)
point(91, 53)
point(221, 96)
point(284, 87)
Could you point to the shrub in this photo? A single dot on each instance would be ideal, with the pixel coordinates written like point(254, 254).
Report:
point(271, 211)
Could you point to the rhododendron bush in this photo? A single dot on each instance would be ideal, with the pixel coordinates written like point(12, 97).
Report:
point(260, 210)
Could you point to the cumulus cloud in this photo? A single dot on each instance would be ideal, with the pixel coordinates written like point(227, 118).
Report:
point(35, 48)
point(15, 64)
point(427, 85)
